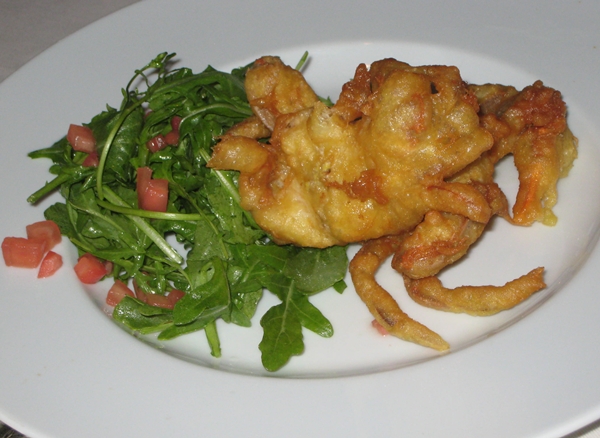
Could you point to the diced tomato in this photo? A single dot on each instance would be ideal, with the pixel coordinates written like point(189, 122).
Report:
point(158, 300)
point(92, 160)
point(175, 295)
point(81, 138)
point(153, 194)
point(50, 264)
point(90, 269)
point(165, 301)
point(139, 293)
point(108, 265)
point(117, 292)
point(144, 174)
point(175, 122)
point(22, 252)
point(156, 196)
point(172, 138)
point(47, 231)
point(156, 143)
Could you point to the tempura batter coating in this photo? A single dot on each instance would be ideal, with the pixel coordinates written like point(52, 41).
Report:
point(404, 162)
point(475, 300)
point(531, 125)
point(443, 238)
point(380, 303)
point(372, 165)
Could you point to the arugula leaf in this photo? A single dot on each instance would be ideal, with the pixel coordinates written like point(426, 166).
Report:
point(282, 338)
point(314, 270)
point(141, 317)
point(205, 301)
point(230, 261)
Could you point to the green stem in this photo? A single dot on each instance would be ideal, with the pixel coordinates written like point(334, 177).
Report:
point(154, 235)
point(212, 336)
point(108, 144)
point(302, 61)
point(49, 187)
point(214, 106)
point(128, 211)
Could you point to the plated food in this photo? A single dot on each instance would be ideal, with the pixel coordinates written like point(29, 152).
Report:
point(265, 183)
point(404, 161)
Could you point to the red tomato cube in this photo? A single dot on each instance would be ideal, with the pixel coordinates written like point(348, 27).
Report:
point(50, 264)
point(175, 295)
point(153, 194)
point(144, 174)
point(175, 123)
point(22, 252)
point(156, 143)
point(45, 230)
point(172, 138)
point(158, 300)
point(156, 196)
point(90, 269)
point(81, 138)
point(117, 292)
point(92, 160)
point(139, 293)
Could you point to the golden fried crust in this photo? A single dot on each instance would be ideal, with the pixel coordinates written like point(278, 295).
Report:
point(443, 238)
point(531, 125)
point(380, 303)
point(372, 166)
point(438, 241)
point(273, 89)
point(252, 127)
point(404, 161)
point(475, 300)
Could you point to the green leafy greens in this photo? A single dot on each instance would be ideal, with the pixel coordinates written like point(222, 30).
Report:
point(230, 261)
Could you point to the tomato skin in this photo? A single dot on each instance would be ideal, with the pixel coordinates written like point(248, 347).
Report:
point(90, 269)
point(47, 231)
point(175, 295)
point(172, 138)
point(117, 292)
point(144, 174)
point(139, 293)
point(92, 160)
point(22, 252)
point(51, 263)
point(81, 138)
point(156, 143)
point(153, 194)
point(158, 300)
point(175, 122)
point(156, 196)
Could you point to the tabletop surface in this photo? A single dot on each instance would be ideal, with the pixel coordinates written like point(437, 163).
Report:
point(28, 27)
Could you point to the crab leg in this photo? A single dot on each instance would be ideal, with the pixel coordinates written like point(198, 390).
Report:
point(475, 300)
point(380, 303)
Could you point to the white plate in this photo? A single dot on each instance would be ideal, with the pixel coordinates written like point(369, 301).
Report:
point(67, 371)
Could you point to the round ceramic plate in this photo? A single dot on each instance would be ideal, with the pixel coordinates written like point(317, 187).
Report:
point(68, 370)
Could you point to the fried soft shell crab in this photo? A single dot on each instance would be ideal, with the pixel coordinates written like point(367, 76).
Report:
point(403, 163)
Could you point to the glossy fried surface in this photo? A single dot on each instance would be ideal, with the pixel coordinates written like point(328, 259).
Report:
point(372, 165)
point(443, 238)
point(531, 125)
point(475, 300)
point(380, 303)
point(404, 163)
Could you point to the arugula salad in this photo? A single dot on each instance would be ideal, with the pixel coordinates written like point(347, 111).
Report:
point(229, 262)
